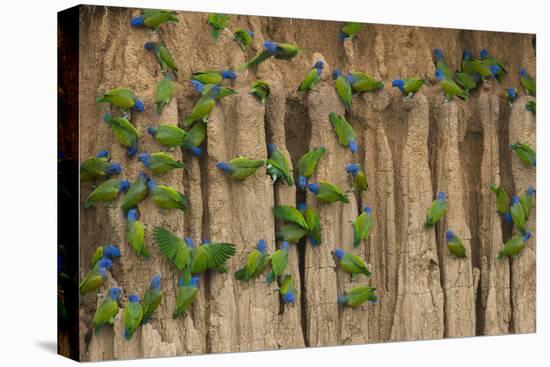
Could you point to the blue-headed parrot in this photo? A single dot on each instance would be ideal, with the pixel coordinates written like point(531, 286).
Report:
point(133, 315)
point(166, 197)
point(256, 262)
point(159, 163)
point(351, 264)
point(106, 192)
point(436, 211)
point(106, 311)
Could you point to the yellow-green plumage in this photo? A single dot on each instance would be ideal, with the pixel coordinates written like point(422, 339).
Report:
point(163, 96)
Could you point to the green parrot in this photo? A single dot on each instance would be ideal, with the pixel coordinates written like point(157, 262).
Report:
point(306, 165)
point(465, 80)
point(287, 289)
point(527, 82)
point(260, 89)
point(136, 193)
point(510, 95)
point(93, 280)
point(172, 247)
point(163, 56)
point(528, 202)
point(351, 264)
point(133, 315)
point(168, 135)
point(441, 64)
point(301, 222)
point(408, 86)
point(357, 296)
point(98, 167)
point(166, 197)
point(240, 168)
point(327, 193)
point(204, 105)
point(450, 88)
point(531, 106)
point(163, 95)
point(518, 214)
point(135, 234)
point(436, 211)
point(503, 201)
point(109, 251)
point(106, 311)
point(209, 255)
point(194, 138)
point(159, 163)
point(125, 133)
point(455, 245)
point(187, 293)
point(525, 153)
point(494, 65)
point(360, 182)
point(312, 77)
point(212, 76)
point(153, 18)
point(362, 82)
point(151, 299)
point(123, 98)
point(343, 87)
point(313, 222)
point(468, 72)
point(344, 131)
point(291, 232)
point(350, 30)
point(277, 166)
point(218, 22)
point(279, 262)
point(290, 214)
point(514, 246)
point(362, 226)
point(243, 37)
point(256, 261)
point(281, 51)
point(106, 192)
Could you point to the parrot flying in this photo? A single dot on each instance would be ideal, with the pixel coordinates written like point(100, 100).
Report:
point(106, 192)
point(277, 166)
point(204, 105)
point(343, 87)
point(436, 211)
point(125, 133)
point(357, 296)
point(503, 202)
point(528, 202)
point(312, 77)
point(281, 51)
point(408, 86)
point(287, 289)
point(327, 193)
point(218, 22)
point(163, 55)
point(166, 197)
point(123, 98)
point(93, 280)
point(279, 262)
point(306, 165)
point(525, 153)
point(173, 247)
point(360, 182)
point(153, 18)
point(106, 311)
point(514, 246)
point(133, 315)
point(256, 261)
point(159, 163)
point(187, 293)
point(241, 167)
point(518, 214)
point(450, 88)
point(455, 245)
point(243, 37)
point(351, 264)
point(350, 30)
point(362, 82)
point(210, 255)
point(164, 92)
point(362, 226)
point(136, 193)
point(260, 89)
point(151, 299)
point(168, 135)
point(195, 137)
point(344, 131)
point(527, 82)
point(98, 167)
point(213, 77)
point(135, 234)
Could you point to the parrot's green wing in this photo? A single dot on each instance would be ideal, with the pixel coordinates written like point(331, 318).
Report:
point(329, 192)
point(200, 110)
point(166, 57)
point(435, 213)
point(218, 23)
point(343, 88)
point(456, 247)
point(163, 96)
point(256, 60)
point(291, 232)
point(467, 81)
point(361, 228)
point(286, 51)
point(352, 28)
point(343, 129)
point(105, 314)
point(512, 248)
point(172, 247)
point(518, 216)
point(290, 214)
point(195, 135)
point(279, 162)
point(98, 255)
point(503, 200)
point(279, 262)
point(207, 77)
point(151, 301)
point(133, 314)
point(107, 191)
point(310, 80)
point(359, 263)
point(314, 224)
point(308, 162)
point(217, 253)
point(136, 193)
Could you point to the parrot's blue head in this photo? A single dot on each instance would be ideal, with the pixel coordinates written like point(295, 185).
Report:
point(152, 130)
point(439, 74)
point(512, 93)
point(467, 55)
point(450, 235)
point(339, 253)
point(145, 158)
point(114, 293)
point(261, 245)
point(149, 46)
point(336, 74)
point(289, 297)
point(105, 263)
point(530, 191)
point(523, 72)
point(250, 33)
point(107, 117)
point(228, 74)
point(342, 299)
point(132, 150)
point(271, 148)
point(151, 184)
point(194, 282)
point(483, 54)
point(495, 69)
point(137, 21)
point(367, 210)
point(155, 282)
point(224, 166)
point(215, 91)
point(342, 36)
point(301, 182)
point(398, 83)
point(302, 206)
point(352, 145)
point(132, 215)
point(189, 242)
point(205, 241)
point(124, 185)
point(526, 236)
point(285, 245)
point(441, 196)
point(103, 273)
point(319, 65)
point(102, 154)
point(438, 54)
point(353, 168)
point(133, 298)
point(139, 106)
point(515, 200)
point(313, 187)
point(270, 47)
point(350, 78)
point(507, 217)
point(199, 87)
point(142, 176)
point(196, 151)
point(111, 251)
point(114, 169)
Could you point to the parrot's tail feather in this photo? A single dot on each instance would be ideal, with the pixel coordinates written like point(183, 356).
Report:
point(215, 33)
point(88, 204)
point(97, 329)
point(240, 274)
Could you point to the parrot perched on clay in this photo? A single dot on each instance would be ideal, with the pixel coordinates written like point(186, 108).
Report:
point(351, 264)
point(441, 64)
point(511, 94)
point(290, 214)
point(306, 165)
point(241, 167)
point(109, 251)
point(525, 153)
point(436, 211)
point(151, 299)
point(166, 197)
point(187, 293)
point(313, 222)
point(106, 192)
point(327, 193)
point(527, 82)
point(123, 98)
point(281, 51)
point(243, 37)
point(106, 311)
point(168, 135)
point(495, 66)
point(343, 87)
point(93, 279)
point(455, 245)
point(256, 262)
point(350, 30)
point(528, 202)
point(357, 296)
point(218, 22)
point(287, 289)
point(360, 182)
point(518, 214)
point(209, 255)
point(173, 247)
point(465, 80)
point(279, 262)
point(344, 131)
point(362, 82)
point(204, 105)
point(133, 315)
point(450, 88)
point(362, 226)
point(468, 72)
point(164, 92)
point(277, 166)
point(260, 89)
point(514, 246)
point(195, 137)
point(531, 106)
point(163, 55)
point(98, 167)
point(212, 76)
point(135, 234)
point(136, 193)
point(503, 202)
point(153, 18)
point(408, 86)
point(125, 133)
point(159, 163)
point(312, 77)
